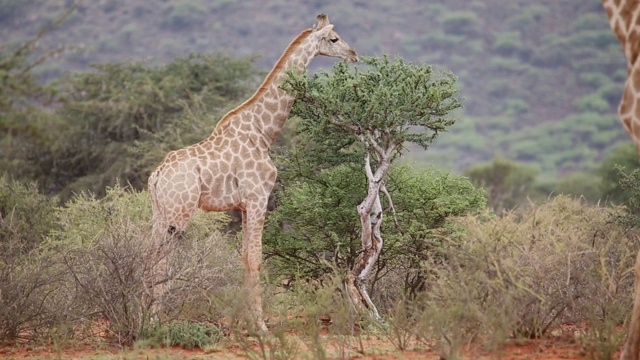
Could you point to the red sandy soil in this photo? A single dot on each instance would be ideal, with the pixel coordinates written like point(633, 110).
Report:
point(561, 345)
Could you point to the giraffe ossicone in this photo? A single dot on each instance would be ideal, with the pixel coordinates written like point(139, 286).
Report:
point(232, 169)
point(624, 19)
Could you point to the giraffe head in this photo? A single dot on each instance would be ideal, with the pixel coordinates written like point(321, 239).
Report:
point(330, 43)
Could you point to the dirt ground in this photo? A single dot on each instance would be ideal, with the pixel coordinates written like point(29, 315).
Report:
point(561, 344)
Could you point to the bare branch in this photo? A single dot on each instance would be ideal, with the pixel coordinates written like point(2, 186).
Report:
point(354, 128)
point(392, 208)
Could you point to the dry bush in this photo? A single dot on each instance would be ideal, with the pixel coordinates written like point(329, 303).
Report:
point(325, 322)
point(104, 243)
point(32, 300)
point(524, 273)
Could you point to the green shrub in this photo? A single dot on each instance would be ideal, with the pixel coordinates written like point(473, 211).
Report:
point(621, 160)
point(528, 19)
point(183, 15)
point(630, 184)
point(507, 182)
point(588, 22)
point(592, 38)
point(593, 102)
point(462, 23)
point(553, 53)
point(185, 334)
point(516, 107)
point(586, 185)
point(310, 249)
point(510, 44)
point(596, 79)
point(508, 66)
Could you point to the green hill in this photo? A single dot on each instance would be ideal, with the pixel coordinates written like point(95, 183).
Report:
point(541, 80)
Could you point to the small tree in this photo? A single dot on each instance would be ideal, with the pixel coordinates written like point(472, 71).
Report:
point(370, 115)
point(507, 182)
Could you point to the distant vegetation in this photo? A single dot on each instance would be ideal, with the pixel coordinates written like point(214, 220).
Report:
point(541, 80)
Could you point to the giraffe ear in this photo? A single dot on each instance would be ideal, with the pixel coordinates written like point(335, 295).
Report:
point(323, 32)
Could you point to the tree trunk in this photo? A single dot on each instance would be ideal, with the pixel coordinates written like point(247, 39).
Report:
point(370, 211)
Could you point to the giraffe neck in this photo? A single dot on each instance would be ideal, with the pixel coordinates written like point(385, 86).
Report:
point(624, 15)
point(269, 107)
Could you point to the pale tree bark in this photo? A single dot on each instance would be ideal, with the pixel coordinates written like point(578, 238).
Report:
point(371, 215)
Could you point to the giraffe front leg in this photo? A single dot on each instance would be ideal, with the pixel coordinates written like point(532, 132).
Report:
point(252, 225)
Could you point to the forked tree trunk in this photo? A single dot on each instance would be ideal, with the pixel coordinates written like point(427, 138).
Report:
point(370, 211)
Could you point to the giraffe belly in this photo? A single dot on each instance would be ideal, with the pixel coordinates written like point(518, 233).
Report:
point(219, 193)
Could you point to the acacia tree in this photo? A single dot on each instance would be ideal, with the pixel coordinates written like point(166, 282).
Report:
point(370, 114)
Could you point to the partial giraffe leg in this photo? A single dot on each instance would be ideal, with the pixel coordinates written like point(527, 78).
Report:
point(252, 225)
point(632, 345)
point(166, 234)
point(158, 267)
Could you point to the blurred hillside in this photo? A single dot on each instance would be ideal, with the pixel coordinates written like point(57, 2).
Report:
point(541, 80)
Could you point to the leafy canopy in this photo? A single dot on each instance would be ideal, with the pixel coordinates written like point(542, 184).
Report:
point(323, 228)
point(385, 104)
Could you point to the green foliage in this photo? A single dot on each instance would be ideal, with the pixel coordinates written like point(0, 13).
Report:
point(299, 244)
point(587, 22)
point(510, 44)
point(461, 23)
point(392, 96)
point(528, 19)
point(115, 116)
point(543, 59)
point(585, 185)
point(19, 86)
point(592, 102)
point(306, 246)
point(183, 15)
point(426, 203)
point(516, 107)
point(508, 183)
point(185, 334)
point(630, 184)
point(619, 164)
point(25, 127)
point(345, 115)
point(26, 216)
point(86, 218)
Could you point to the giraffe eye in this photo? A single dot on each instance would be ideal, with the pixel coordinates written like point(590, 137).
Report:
point(334, 40)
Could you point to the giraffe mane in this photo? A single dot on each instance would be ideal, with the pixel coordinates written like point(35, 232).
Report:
point(272, 74)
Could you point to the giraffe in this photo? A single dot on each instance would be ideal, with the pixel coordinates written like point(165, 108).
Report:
point(624, 19)
point(231, 169)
